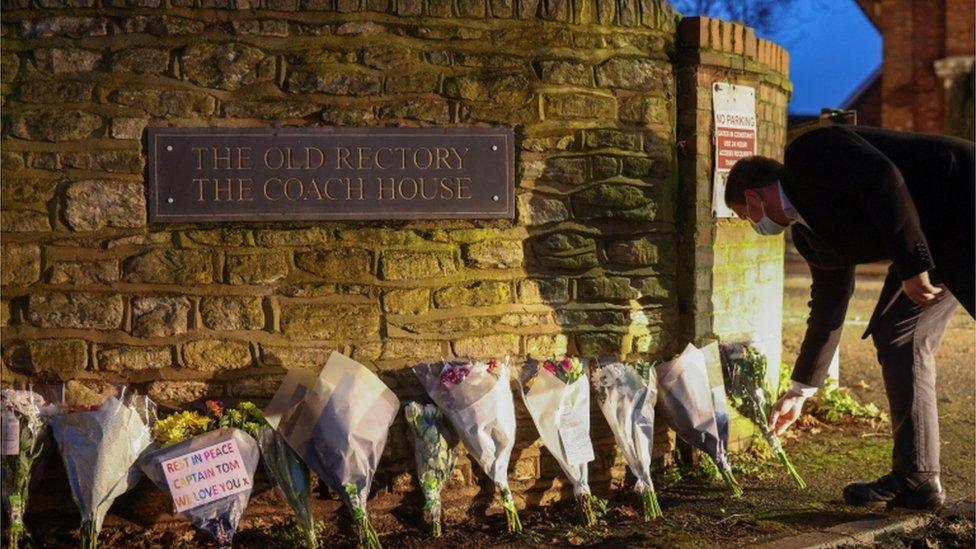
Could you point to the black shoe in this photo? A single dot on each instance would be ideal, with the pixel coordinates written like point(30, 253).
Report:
point(910, 491)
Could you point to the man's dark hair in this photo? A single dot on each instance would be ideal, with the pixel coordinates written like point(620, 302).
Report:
point(752, 172)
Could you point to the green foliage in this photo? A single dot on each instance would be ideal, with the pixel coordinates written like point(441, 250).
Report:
point(785, 378)
point(701, 470)
point(833, 404)
point(705, 469)
point(644, 369)
point(600, 506)
point(246, 416)
point(669, 475)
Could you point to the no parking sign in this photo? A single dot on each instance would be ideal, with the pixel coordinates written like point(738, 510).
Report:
point(734, 108)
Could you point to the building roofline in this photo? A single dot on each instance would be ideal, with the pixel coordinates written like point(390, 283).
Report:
point(862, 88)
point(868, 8)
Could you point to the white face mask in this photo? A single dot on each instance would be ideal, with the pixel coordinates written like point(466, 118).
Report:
point(788, 208)
point(765, 226)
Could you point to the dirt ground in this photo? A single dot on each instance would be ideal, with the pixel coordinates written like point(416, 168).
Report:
point(696, 514)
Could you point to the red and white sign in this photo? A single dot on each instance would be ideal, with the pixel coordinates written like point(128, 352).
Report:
point(731, 144)
point(206, 475)
point(735, 135)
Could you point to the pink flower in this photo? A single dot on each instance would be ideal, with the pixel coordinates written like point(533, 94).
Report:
point(491, 366)
point(549, 366)
point(567, 364)
point(454, 374)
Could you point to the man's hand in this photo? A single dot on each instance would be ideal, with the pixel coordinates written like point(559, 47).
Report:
point(786, 410)
point(921, 291)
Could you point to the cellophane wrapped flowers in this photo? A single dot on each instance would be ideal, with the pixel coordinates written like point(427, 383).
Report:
point(685, 394)
point(477, 398)
point(556, 393)
point(745, 373)
point(434, 450)
point(99, 449)
point(290, 474)
point(627, 397)
point(25, 416)
point(716, 380)
point(338, 423)
point(214, 445)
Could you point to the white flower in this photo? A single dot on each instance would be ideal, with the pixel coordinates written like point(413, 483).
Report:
point(607, 375)
point(28, 405)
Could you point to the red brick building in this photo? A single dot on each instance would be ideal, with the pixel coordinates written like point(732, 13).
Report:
point(926, 79)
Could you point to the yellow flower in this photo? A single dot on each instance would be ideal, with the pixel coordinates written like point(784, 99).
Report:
point(179, 427)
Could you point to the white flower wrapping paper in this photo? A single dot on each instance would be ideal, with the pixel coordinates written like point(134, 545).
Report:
point(99, 450)
point(549, 400)
point(338, 422)
point(218, 517)
point(482, 411)
point(716, 380)
point(627, 400)
point(685, 394)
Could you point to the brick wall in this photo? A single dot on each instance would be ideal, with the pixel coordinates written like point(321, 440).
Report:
point(94, 296)
point(960, 22)
point(916, 34)
point(737, 287)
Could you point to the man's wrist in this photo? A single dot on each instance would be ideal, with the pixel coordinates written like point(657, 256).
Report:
point(802, 389)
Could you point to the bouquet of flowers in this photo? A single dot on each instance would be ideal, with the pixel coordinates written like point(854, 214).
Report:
point(205, 461)
point(684, 391)
point(745, 372)
point(290, 474)
point(338, 424)
point(477, 398)
point(99, 449)
point(627, 400)
point(433, 449)
point(207, 416)
point(557, 395)
point(23, 430)
point(209, 477)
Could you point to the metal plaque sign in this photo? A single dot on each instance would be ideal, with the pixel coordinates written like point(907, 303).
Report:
point(270, 174)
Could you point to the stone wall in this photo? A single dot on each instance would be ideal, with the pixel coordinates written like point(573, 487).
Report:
point(94, 296)
point(734, 281)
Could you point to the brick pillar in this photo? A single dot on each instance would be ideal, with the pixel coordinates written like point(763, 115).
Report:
point(737, 286)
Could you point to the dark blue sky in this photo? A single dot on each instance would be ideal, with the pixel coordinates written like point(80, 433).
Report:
point(833, 48)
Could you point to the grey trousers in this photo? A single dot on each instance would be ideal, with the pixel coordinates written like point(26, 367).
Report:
point(907, 337)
